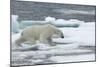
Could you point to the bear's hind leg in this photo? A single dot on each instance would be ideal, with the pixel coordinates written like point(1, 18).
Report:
point(19, 41)
point(51, 43)
point(31, 41)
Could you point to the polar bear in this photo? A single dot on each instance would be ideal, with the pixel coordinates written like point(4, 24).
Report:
point(42, 33)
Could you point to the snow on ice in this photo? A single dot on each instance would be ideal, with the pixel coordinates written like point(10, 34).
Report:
point(66, 50)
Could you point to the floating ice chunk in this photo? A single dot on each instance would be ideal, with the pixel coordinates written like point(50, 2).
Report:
point(71, 21)
point(31, 22)
point(67, 23)
point(15, 24)
point(60, 21)
point(50, 19)
point(75, 21)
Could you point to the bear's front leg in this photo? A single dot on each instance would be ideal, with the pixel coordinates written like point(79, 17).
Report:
point(43, 40)
point(47, 40)
point(51, 43)
point(19, 41)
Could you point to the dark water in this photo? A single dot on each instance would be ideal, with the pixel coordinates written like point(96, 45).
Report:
point(38, 11)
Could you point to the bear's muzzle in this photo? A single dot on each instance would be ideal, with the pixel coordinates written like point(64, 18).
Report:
point(62, 36)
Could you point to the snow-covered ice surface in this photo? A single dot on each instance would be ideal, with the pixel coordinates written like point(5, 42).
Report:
point(78, 45)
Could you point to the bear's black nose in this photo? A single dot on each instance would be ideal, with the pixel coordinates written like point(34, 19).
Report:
point(62, 36)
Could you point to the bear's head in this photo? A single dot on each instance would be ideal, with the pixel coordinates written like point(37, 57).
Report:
point(54, 31)
point(59, 33)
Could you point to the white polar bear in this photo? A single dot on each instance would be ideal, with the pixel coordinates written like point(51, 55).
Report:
point(42, 33)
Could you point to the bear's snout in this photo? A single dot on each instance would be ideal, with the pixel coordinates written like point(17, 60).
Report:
point(62, 36)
